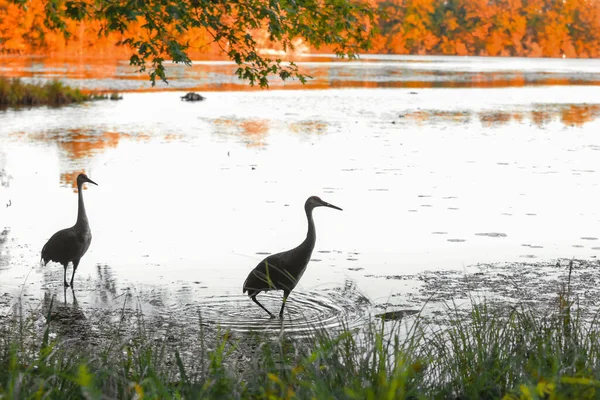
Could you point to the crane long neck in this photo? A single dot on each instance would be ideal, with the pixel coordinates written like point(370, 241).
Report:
point(311, 235)
point(81, 215)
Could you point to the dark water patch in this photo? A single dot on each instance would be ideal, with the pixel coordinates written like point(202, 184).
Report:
point(491, 234)
point(324, 251)
point(595, 248)
point(531, 214)
point(531, 246)
point(578, 246)
point(534, 283)
point(589, 238)
point(527, 256)
point(425, 205)
point(412, 210)
point(379, 190)
point(507, 214)
point(453, 208)
point(449, 197)
point(456, 240)
point(424, 195)
point(503, 163)
point(262, 253)
point(396, 315)
point(439, 233)
point(355, 269)
point(394, 277)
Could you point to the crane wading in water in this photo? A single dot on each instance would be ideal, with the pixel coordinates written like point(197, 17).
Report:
point(69, 245)
point(282, 271)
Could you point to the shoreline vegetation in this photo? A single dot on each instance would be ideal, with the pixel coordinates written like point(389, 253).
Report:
point(16, 93)
point(481, 351)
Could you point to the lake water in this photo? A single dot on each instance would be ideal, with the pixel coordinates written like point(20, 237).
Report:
point(439, 163)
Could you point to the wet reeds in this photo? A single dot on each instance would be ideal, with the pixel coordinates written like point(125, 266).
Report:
point(482, 352)
point(16, 93)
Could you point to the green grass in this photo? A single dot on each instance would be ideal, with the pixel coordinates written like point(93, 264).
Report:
point(15, 93)
point(482, 352)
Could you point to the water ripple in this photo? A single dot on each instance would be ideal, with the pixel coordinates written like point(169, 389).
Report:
point(305, 311)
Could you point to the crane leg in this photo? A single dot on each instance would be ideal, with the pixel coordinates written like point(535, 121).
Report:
point(65, 276)
point(285, 296)
point(75, 264)
point(253, 297)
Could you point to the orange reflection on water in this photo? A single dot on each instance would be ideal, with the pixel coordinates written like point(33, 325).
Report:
point(83, 142)
point(494, 118)
point(579, 114)
point(115, 73)
point(69, 178)
point(253, 131)
point(569, 114)
point(541, 117)
point(422, 116)
point(308, 127)
point(79, 145)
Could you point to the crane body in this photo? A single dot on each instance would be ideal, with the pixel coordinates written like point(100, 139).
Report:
point(70, 244)
point(282, 271)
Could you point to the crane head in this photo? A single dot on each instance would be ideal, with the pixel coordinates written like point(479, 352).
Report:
point(82, 178)
point(315, 201)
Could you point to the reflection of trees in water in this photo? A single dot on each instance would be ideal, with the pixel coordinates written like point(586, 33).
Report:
point(308, 127)
point(495, 118)
point(78, 145)
point(253, 131)
point(579, 114)
point(540, 115)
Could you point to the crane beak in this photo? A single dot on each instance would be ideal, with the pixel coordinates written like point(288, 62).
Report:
point(325, 204)
point(91, 181)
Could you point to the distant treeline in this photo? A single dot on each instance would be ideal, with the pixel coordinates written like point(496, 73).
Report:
point(534, 28)
point(530, 28)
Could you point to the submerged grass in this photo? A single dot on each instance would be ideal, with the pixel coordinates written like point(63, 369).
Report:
point(14, 93)
point(480, 353)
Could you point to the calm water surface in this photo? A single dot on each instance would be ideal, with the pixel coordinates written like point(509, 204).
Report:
point(439, 164)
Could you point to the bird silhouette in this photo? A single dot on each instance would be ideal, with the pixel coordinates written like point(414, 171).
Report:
point(282, 271)
point(69, 245)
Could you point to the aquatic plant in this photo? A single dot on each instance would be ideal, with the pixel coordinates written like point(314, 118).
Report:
point(15, 93)
point(483, 351)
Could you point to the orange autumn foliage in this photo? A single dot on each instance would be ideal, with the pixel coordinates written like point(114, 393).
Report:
point(528, 28)
point(534, 28)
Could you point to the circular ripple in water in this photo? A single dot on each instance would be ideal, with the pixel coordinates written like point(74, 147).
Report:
point(305, 311)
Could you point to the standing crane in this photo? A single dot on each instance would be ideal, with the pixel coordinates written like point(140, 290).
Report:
point(69, 245)
point(282, 271)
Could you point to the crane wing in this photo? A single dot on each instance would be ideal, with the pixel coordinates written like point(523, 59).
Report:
point(270, 274)
point(62, 247)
